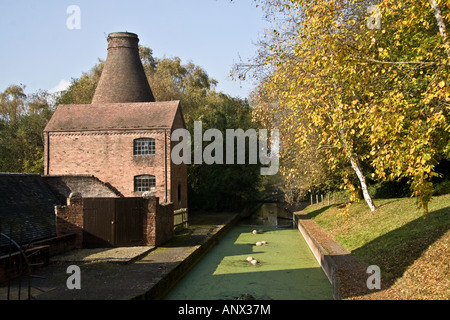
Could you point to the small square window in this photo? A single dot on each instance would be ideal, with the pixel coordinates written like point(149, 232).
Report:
point(144, 183)
point(144, 146)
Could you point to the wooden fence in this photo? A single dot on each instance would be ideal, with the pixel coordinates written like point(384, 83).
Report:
point(328, 198)
point(180, 219)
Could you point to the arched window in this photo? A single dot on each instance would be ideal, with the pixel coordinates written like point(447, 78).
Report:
point(144, 146)
point(145, 182)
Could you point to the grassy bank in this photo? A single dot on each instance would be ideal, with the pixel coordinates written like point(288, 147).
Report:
point(412, 251)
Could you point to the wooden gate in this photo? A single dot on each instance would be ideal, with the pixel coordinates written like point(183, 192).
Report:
point(112, 222)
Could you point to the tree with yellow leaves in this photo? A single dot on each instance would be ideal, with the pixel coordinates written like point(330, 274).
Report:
point(369, 79)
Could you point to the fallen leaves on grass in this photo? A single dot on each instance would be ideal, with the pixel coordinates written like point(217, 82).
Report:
point(428, 278)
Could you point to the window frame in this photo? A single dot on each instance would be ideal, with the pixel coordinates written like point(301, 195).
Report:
point(141, 186)
point(139, 147)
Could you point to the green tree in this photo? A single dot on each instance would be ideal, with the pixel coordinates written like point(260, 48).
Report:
point(12, 103)
point(224, 186)
point(21, 137)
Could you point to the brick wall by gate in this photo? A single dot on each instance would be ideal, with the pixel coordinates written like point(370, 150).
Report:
point(114, 222)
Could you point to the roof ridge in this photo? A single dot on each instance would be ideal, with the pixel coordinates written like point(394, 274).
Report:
point(113, 116)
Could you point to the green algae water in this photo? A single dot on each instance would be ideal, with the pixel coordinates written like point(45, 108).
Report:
point(286, 268)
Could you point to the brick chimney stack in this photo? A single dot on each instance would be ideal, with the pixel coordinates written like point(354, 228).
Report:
point(123, 78)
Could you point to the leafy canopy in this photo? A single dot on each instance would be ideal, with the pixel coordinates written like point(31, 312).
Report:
point(358, 95)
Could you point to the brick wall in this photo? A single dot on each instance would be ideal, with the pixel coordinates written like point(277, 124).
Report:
point(178, 173)
point(108, 155)
point(69, 220)
point(77, 145)
point(157, 222)
point(163, 223)
point(149, 220)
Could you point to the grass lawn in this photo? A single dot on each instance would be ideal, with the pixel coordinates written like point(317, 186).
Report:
point(411, 250)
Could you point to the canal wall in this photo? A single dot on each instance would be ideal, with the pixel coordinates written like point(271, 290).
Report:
point(312, 233)
point(347, 274)
point(308, 229)
point(170, 278)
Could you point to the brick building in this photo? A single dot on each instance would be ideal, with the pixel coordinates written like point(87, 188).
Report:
point(123, 137)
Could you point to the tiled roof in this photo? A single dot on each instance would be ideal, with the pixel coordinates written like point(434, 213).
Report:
point(26, 206)
point(137, 115)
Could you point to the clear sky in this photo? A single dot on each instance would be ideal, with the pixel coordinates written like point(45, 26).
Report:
point(38, 50)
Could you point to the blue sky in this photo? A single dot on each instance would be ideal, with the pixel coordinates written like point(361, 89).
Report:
point(39, 51)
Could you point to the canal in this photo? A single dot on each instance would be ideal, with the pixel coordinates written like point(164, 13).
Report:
point(285, 269)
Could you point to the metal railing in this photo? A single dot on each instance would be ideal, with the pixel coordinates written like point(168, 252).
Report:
point(16, 264)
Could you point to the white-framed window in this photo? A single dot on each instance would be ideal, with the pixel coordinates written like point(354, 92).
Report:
point(143, 146)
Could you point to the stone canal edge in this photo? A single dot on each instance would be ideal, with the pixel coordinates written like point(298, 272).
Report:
point(346, 273)
point(171, 277)
point(152, 272)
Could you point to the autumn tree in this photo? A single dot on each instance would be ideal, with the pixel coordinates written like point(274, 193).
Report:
point(22, 121)
point(369, 80)
point(12, 103)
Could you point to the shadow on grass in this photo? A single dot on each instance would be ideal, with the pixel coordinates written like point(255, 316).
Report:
point(317, 212)
point(386, 203)
point(396, 250)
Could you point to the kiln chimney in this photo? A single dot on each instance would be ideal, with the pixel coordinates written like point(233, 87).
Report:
point(123, 78)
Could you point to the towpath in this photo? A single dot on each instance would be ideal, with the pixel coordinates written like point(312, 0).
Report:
point(129, 273)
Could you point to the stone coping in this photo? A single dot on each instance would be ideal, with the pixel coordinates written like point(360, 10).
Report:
point(114, 255)
point(347, 274)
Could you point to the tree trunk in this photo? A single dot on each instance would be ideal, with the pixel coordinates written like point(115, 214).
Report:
point(362, 179)
point(357, 168)
point(440, 23)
